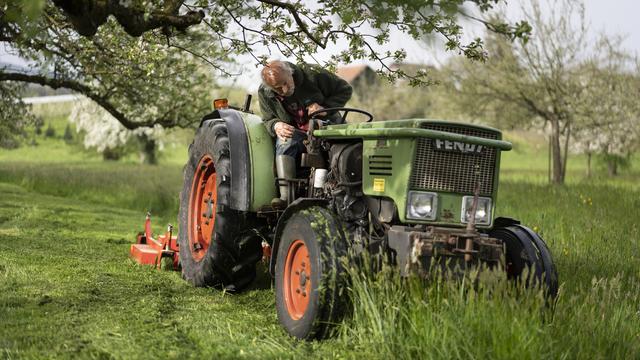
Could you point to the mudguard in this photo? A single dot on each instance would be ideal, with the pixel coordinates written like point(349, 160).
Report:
point(251, 152)
point(536, 250)
point(550, 272)
point(297, 205)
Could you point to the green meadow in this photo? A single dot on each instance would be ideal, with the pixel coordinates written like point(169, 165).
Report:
point(69, 290)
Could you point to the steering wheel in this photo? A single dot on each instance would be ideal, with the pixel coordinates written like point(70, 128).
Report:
point(345, 110)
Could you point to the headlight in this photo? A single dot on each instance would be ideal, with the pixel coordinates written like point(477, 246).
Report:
point(422, 205)
point(483, 210)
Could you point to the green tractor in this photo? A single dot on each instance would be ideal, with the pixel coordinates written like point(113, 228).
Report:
point(417, 192)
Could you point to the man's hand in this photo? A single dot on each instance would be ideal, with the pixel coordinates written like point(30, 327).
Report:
point(315, 107)
point(283, 130)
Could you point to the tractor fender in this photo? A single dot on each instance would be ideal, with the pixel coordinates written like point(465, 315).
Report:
point(551, 274)
point(536, 251)
point(297, 205)
point(240, 194)
point(504, 222)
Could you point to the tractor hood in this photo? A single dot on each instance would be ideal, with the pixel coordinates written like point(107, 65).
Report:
point(413, 128)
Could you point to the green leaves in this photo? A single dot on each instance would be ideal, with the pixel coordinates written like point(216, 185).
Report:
point(162, 65)
point(152, 79)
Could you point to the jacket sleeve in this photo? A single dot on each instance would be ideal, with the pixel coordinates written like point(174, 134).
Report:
point(269, 116)
point(336, 90)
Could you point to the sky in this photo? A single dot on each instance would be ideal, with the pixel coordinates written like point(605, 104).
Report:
point(612, 17)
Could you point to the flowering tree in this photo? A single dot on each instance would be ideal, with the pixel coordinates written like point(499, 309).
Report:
point(537, 83)
point(608, 111)
point(104, 133)
point(141, 81)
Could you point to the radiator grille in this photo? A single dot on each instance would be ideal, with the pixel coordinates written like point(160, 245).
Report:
point(450, 171)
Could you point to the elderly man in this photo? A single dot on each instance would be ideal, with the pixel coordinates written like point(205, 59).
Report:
point(289, 93)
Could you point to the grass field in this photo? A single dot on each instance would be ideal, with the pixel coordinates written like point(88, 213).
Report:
point(68, 289)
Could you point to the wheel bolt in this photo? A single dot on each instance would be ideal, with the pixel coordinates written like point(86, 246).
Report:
point(298, 291)
point(297, 272)
point(304, 293)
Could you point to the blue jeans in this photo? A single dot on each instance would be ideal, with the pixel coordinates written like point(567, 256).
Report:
point(292, 146)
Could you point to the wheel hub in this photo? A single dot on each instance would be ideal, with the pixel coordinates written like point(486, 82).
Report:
point(297, 279)
point(202, 207)
point(303, 278)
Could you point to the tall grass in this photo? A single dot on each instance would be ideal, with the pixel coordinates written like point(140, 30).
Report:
point(411, 319)
point(131, 186)
point(593, 232)
point(54, 167)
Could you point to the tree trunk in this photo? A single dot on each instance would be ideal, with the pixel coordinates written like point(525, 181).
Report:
point(565, 157)
point(557, 177)
point(110, 155)
point(147, 150)
point(549, 160)
point(612, 166)
point(589, 164)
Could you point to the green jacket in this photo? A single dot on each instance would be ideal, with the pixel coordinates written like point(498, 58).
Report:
point(313, 84)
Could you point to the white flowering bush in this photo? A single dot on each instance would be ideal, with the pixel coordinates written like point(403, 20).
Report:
point(103, 132)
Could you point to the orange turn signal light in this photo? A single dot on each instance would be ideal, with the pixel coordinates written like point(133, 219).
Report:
point(220, 104)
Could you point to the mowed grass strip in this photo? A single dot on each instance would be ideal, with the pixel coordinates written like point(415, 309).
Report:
point(131, 186)
point(68, 289)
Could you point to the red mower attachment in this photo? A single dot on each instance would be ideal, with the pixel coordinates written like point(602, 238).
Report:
point(150, 251)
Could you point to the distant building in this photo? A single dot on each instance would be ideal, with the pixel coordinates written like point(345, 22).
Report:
point(360, 77)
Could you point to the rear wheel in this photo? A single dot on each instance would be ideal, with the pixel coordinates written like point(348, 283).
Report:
point(217, 246)
point(527, 253)
point(310, 274)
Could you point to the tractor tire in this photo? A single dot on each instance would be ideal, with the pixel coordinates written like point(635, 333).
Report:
point(310, 273)
point(217, 245)
point(526, 250)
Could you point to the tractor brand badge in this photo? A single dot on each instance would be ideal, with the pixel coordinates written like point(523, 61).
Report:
point(378, 185)
point(458, 146)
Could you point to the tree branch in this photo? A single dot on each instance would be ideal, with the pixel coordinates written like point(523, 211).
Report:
point(296, 16)
point(86, 91)
point(87, 16)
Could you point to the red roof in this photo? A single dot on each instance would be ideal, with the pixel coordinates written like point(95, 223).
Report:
point(351, 72)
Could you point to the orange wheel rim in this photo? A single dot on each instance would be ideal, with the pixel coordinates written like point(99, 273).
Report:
point(297, 279)
point(202, 208)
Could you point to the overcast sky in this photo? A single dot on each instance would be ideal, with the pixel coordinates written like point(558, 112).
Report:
point(616, 17)
point(613, 17)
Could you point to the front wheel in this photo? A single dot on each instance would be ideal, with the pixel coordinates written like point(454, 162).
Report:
point(310, 273)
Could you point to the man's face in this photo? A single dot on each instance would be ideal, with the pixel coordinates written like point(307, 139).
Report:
point(283, 84)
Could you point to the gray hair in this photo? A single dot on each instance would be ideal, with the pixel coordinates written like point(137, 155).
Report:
point(274, 69)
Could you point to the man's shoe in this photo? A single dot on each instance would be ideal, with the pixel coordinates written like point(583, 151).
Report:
point(278, 203)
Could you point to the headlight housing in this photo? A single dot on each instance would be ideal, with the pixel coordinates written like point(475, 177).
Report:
point(422, 205)
point(483, 210)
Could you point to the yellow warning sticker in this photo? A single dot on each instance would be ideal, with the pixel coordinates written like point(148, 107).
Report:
point(378, 185)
